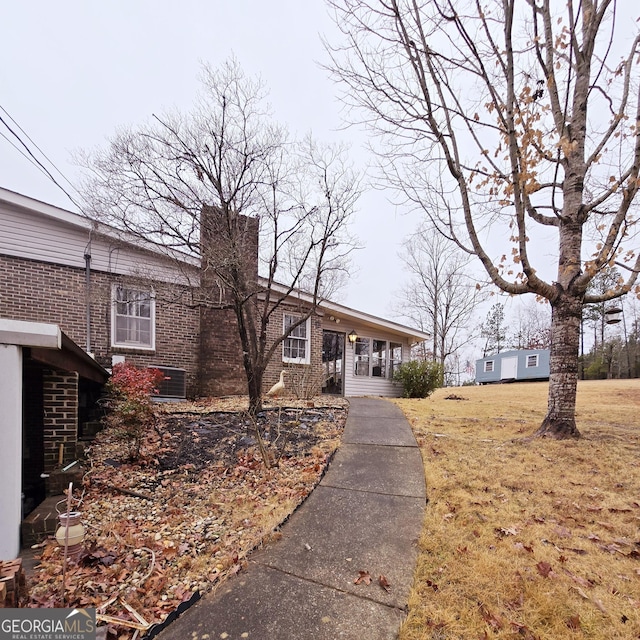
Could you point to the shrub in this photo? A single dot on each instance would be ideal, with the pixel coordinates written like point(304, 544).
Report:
point(128, 401)
point(419, 378)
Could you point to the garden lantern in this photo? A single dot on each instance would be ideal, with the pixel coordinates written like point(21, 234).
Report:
point(70, 531)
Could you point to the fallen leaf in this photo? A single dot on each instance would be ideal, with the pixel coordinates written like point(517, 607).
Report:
point(562, 532)
point(493, 620)
point(583, 582)
point(574, 622)
point(544, 569)
point(364, 577)
point(600, 606)
point(384, 583)
point(433, 585)
point(523, 632)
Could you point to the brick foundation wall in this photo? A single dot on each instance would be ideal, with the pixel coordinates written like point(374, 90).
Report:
point(60, 395)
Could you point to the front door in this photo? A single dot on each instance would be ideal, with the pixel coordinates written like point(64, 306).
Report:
point(333, 362)
point(509, 368)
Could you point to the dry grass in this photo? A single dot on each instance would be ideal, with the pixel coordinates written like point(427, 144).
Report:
point(528, 538)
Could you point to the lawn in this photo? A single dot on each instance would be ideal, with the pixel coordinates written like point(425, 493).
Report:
point(527, 538)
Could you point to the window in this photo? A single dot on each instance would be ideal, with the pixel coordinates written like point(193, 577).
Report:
point(361, 351)
point(376, 358)
point(295, 347)
point(395, 357)
point(132, 318)
point(532, 361)
point(488, 366)
point(379, 359)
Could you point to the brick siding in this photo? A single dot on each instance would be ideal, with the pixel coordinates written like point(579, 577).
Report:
point(43, 292)
point(195, 329)
point(298, 377)
point(60, 396)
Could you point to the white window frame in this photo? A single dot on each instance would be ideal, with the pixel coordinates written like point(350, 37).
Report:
point(489, 366)
point(534, 358)
point(366, 365)
point(131, 344)
point(306, 338)
point(362, 361)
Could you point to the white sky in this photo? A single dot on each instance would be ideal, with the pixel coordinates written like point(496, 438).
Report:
point(72, 72)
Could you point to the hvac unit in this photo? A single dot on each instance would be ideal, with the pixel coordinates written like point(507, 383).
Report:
point(174, 387)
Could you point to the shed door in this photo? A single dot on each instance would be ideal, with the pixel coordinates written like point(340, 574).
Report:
point(509, 368)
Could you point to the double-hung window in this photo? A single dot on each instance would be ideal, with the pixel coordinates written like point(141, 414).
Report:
point(296, 346)
point(132, 318)
point(488, 366)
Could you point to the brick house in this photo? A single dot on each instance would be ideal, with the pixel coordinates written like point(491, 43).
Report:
point(112, 297)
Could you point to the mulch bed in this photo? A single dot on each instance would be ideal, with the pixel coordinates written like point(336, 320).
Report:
point(182, 518)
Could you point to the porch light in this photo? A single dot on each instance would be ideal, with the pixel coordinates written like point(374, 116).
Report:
point(613, 315)
point(353, 336)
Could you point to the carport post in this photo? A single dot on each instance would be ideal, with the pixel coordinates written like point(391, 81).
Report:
point(10, 450)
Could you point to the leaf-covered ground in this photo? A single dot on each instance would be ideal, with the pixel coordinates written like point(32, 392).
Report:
point(185, 516)
point(530, 539)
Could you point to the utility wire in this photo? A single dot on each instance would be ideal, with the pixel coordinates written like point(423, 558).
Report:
point(22, 153)
point(35, 159)
point(42, 153)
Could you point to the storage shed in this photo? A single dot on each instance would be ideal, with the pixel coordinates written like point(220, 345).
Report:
point(509, 366)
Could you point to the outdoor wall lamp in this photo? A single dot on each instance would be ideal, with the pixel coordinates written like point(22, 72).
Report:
point(353, 336)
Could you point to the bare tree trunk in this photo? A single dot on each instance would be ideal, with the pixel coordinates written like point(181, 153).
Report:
point(254, 384)
point(560, 420)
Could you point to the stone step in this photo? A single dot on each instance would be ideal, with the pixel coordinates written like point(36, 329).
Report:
point(42, 521)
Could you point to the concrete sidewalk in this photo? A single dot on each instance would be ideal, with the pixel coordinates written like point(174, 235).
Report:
point(366, 515)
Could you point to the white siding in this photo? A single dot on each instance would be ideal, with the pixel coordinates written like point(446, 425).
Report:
point(30, 235)
point(370, 385)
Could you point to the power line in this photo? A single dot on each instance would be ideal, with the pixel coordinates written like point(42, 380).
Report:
point(33, 158)
point(22, 153)
point(32, 141)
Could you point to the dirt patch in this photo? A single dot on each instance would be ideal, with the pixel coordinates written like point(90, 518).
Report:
point(219, 438)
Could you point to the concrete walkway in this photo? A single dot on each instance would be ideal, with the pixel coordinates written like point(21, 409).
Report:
point(366, 515)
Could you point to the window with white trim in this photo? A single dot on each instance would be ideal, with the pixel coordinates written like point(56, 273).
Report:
point(376, 358)
point(296, 346)
point(488, 366)
point(395, 357)
point(532, 361)
point(361, 357)
point(132, 318)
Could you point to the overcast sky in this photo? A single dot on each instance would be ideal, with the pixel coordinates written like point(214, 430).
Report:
point(72, 72)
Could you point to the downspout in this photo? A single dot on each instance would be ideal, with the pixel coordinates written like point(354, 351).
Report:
point(87, 266)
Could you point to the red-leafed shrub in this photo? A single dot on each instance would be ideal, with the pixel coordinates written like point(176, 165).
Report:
point(128, 401)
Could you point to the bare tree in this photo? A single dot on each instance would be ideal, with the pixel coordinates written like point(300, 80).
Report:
point(208, 182)
point(510, 124)
point(441, 296)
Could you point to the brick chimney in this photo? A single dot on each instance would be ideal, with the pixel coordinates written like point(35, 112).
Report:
point(229, 246)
